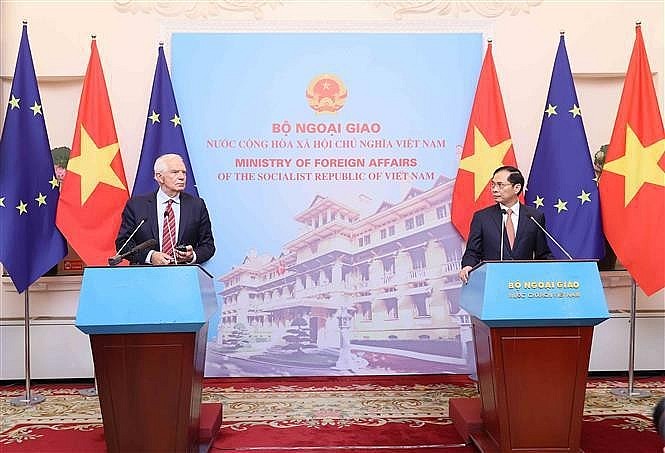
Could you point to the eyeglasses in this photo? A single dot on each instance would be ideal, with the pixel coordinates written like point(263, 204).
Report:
point(500, 185)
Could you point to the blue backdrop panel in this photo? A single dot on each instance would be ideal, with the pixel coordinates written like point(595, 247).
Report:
point(261, 151)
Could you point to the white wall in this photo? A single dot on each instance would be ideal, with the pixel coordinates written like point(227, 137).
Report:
point(599, 39)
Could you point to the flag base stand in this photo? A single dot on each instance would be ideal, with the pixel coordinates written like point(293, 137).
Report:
point(625, 392)
point(89, 392)
point(92, 391)
point(630, 391)
point(25, 400)
point(28, 398)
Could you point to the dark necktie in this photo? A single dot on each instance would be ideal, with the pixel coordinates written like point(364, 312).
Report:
point(510, 228)
point(168, 233)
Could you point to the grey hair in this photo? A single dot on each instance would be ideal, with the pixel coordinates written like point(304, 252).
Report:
point(160, 162)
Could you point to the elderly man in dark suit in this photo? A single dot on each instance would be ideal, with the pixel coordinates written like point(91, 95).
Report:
point(522, 240)
point(179, 222)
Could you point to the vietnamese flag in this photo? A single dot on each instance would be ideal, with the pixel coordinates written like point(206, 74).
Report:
point(487, 146)
point(632, 184)
point(94, 190)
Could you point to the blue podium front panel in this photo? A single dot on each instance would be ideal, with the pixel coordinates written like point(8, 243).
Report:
point(536, 293)
point(145, 299)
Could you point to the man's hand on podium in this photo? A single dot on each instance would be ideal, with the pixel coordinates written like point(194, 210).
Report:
point(159, 258)
point(464, 274)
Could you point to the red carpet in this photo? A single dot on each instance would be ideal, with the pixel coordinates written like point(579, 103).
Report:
point(620, 434)
point(68, 437)
point(374, 434)
point(326, 415)
point(600, 434)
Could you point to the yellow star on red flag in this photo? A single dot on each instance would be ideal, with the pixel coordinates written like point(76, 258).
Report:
point(632, 185)
point(639, 165)
point(94, 189)
point(487, 146)
point(484, 160)
point(94, 165)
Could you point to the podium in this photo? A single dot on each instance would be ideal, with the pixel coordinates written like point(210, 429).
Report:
point(532, 324)
point(148, 328)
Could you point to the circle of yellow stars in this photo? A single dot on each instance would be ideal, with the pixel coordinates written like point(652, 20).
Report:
point(22, 206)
point(584, 197)
point(575, 110)
point(154, 118)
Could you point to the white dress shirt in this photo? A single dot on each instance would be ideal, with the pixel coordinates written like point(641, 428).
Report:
point(514, 217)
point(162, 201)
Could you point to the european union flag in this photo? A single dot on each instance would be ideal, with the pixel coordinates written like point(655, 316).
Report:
point(163, 132)
point(30, 244)
point(562, 181)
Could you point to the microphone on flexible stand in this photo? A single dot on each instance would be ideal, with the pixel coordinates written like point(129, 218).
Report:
point(550, 236)
point(114, 260)
point(503, 225)
point(168, 226)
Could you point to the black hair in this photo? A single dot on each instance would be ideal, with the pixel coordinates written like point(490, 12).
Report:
point(514, 177)
point(659, 417)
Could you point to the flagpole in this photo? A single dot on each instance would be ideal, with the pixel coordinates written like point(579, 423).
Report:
point(91, 391)
point(28, 399)
point(630, 391)
point(23, 175)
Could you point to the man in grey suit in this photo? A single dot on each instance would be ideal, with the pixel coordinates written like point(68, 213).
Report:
point(522, 239)
point(179, 222)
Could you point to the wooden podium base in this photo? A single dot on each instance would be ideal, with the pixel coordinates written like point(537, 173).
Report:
point(465, 414)
point(148, 329)
point(532, 329)
point(210, 420)
point(150, 390)
point(532, 383)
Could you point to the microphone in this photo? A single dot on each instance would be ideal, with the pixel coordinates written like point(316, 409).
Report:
point(550, 236)
point(129, 238)
point(168, 227)
point(503, 225)
point(114, 260)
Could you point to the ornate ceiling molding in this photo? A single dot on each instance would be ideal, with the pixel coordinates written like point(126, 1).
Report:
point(207, 9)
point(488, 9)
point(196, 9)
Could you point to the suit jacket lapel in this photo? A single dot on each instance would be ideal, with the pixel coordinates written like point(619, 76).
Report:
point(184, 216)
point(498, 219)
point(521, 227)
point(152, 217)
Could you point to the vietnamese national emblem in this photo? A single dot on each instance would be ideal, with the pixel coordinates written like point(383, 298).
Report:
point(326, 93)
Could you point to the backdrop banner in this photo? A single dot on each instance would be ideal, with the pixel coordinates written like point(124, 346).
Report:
point(326, 161)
